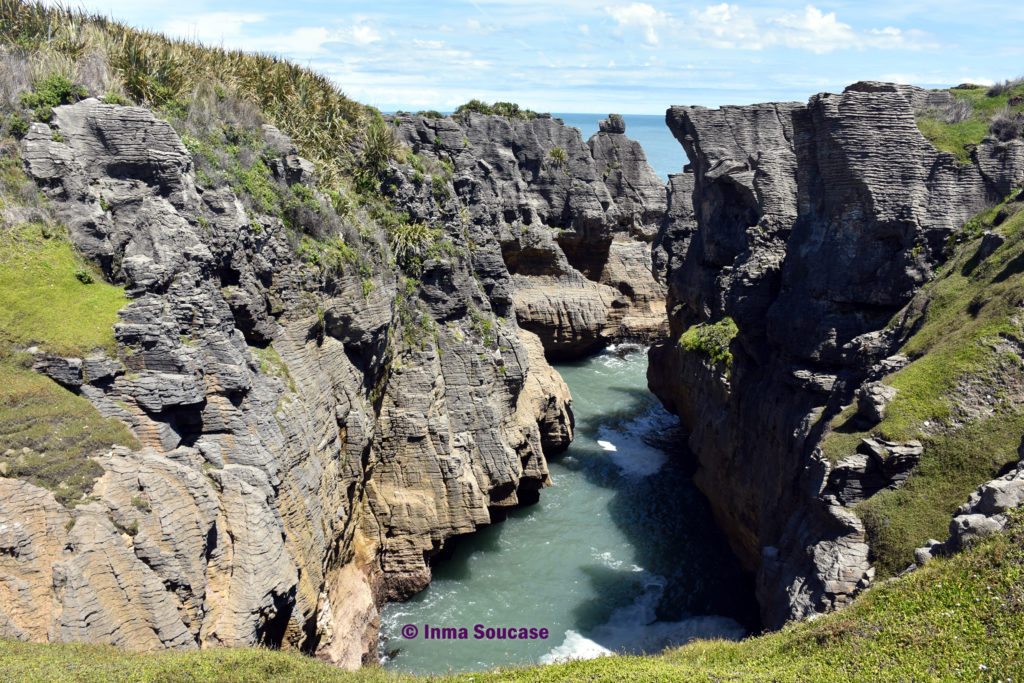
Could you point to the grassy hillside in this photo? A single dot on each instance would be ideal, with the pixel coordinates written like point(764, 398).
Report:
point(960, 618)
point(975, 114)
point(961, 395)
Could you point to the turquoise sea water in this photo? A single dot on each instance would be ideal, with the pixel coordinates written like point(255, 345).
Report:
point(664, 153)
point(620, 555)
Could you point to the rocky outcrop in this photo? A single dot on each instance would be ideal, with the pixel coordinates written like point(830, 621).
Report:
point(812, 226)
point(310, 437)
point(984, 514)
point(575, 221)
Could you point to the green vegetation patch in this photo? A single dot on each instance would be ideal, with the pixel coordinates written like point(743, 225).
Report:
point(507, 109)
point(272, 364)
point(711, 340)
point(966, 123)
point(957, 618)
point(50, 92)
point(960, 396)
point(50, 296)
point(60, 430)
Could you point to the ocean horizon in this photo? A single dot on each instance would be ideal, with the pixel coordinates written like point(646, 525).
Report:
point(664, 153)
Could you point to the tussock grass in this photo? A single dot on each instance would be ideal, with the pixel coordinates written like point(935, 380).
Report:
point(157, 71)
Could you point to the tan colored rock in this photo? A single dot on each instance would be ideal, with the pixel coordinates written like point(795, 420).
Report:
point(33, 526)
point(545, 401)
point(348, 619)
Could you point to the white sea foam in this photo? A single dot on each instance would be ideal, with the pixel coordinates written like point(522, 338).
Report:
point(629, 451)
point(635, 629)
point(575, 646)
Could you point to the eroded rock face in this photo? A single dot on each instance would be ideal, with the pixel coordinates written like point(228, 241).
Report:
point(812, 226)
point(575, 221)
point(277, 498)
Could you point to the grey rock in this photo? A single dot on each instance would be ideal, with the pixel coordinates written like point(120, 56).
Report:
point(575, 234)
point(277, 502)
point(802, 234)
point(990, 241)
point(982, 515)
point(64, 371)
point(873, 399)
point(613, 124)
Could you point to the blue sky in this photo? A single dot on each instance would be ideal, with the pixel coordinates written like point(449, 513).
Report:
point(594, 56)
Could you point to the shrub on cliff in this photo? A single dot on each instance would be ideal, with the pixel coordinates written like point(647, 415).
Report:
point(712, 340)
point(50, 92)
point(1006, 126)
point(508, 109)
point(558, 157)
point(1004, 87)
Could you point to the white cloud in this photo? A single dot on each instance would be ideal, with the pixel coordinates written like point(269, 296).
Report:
point(726, 26)
point(730, 26)
point(360, 35)
point(585, 29)
point(943, 80)
point(213, 27)
point(813, 30)
point(428, 44)
point(639, 15)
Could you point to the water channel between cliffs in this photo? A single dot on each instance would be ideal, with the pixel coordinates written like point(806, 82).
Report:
point(620, 555)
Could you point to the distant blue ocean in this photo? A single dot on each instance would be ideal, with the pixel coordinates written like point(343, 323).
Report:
point(664, 153)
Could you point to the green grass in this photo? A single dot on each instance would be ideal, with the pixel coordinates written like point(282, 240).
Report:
point(957, 618)
point(956, 138)
point(712, 340)
point(44, 303)
point(62, 430)
point(967, 335)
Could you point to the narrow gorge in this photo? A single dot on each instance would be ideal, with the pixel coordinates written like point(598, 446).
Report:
point(272, 368)
point(312, 427)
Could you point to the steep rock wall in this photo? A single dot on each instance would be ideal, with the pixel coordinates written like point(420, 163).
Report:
point(812, 226)
point(575, 221)
point(309, 441)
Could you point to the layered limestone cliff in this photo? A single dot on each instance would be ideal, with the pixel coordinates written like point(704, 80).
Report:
point(575, 221)
point(810, 227)
point(310, 436)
